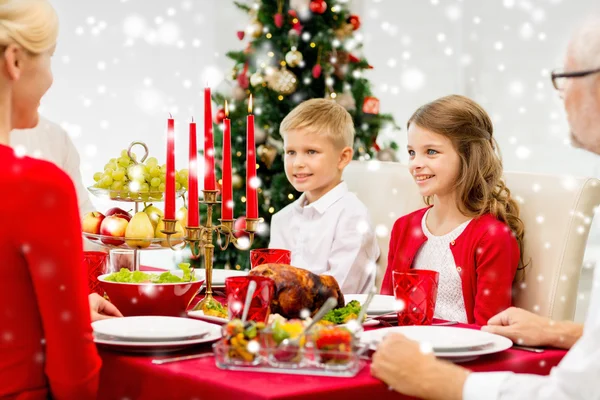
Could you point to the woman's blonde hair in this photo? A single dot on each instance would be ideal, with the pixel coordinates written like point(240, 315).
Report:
point(321, 116)
point(480, 186)
point(32, 24)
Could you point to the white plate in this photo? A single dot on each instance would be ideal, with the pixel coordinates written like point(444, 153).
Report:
point(446, 342)
point(380, 304)
point(149, 328)
point(214, 334)
point(219, 275)
point(200, 315)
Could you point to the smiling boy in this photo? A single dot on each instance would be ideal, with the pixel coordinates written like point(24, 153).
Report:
point(327, 229)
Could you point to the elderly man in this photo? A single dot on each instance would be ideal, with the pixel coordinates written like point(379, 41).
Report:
point(399, 361)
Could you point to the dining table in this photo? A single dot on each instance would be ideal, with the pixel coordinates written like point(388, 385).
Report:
point(134, 376)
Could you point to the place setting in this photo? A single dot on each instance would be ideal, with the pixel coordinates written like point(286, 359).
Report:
point(142, 334)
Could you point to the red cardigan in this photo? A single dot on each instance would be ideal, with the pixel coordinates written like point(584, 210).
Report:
point(46, 344)
point(486, 255)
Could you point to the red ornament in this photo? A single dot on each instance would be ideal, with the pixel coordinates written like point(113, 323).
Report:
point(219, 116)
point(318, 6)
point(316, 71)
point(243, 80)
point(240, 34)
point(371, 105)
point(278, 19)
point(352, 58)
point(239, 227)
point(354, 20)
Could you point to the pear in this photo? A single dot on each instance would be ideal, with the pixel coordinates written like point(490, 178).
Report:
point(174, 237)
point(154, 213)
point(138, 229)
point(182, 217)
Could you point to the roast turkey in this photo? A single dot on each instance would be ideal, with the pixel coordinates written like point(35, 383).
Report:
point(297, 289)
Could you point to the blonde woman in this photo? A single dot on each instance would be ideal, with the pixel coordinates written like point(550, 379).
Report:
point(471, 232)
point(46, 346)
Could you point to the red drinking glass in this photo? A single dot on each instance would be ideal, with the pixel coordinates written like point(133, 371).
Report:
point(236, 288)
point(96, 264)
point(270, 256)
point(417, 290)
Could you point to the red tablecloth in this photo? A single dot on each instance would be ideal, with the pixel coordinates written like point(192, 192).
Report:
point(127, 376)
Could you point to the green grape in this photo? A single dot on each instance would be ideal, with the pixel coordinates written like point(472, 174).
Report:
point(152, 162)
point(112, 166)
point(163, 178)
point(144, 187)
point(185, 185)
point(134, 186)
point(177, 186)
point(109, 171)
point(118, 175)
point(155, 182)
point(117, 186)
point(154, 171)
point(162, 187)
point(145, 196)
point(112, 160)
point(98, 176)
point(156, 196)
point(135, 173)
point(105, 182)
point(124, 162)
point(124, 154)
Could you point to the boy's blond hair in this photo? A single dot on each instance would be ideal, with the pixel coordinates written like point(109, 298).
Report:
point(324, 117)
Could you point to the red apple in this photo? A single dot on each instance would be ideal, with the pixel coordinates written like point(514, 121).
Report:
point(115, 226)
point(118, 211)
point(91, 222)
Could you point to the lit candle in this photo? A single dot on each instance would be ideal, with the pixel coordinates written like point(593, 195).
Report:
point(226, 189)
point(251, 180)
point(170, 173)
point(209, 144)
point(193, 213)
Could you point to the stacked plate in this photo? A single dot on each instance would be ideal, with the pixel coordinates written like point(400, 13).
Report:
point(455, 344)
point(380, 304)
point(153, 333)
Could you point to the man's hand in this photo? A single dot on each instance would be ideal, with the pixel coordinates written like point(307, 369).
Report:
point(412, 370)
point(100, 308)
point(528, 329)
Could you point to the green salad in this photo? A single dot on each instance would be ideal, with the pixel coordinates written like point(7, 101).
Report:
point(127, 276)
point(344, 314)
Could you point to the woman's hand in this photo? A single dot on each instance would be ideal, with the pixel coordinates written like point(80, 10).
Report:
point(100, 308)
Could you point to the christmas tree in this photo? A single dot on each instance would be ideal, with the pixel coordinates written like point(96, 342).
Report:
point(296, 50)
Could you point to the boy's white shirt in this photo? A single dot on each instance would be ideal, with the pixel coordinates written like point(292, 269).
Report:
point(332, 236)
point(50, 142)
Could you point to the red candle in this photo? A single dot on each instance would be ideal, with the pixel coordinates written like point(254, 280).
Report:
point(193, 213)
point(226, 188)
point(170, 173)
point(251, 179)
point(209, 145)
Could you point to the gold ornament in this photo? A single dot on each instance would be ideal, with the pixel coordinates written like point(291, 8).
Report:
point(387, 155)
point(283, 81)
point(236, 181)
point(344, 31)
point(260, 136)
point(238, 93)
point(255, 29)
point(293, 57)
point(256, 79)
point(267, 154)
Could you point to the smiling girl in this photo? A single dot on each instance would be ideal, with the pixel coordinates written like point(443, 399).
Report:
point(470, 232)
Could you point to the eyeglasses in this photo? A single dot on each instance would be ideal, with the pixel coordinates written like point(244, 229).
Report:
point(559, 77)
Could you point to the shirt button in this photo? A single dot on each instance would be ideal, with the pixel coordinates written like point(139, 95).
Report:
point(453, 243)
point(458, 269)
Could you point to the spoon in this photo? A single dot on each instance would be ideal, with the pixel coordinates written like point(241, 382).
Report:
point(292, 345)
point(249, 294)
point(365, 306)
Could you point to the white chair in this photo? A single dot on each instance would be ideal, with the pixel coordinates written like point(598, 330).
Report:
point(557, 212)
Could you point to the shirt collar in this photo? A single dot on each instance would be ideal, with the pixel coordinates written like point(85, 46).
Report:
point(326, 201)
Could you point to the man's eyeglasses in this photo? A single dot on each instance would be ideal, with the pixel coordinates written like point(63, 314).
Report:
point(559, 77)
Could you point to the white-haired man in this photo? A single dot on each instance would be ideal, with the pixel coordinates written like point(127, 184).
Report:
point(401, 364)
